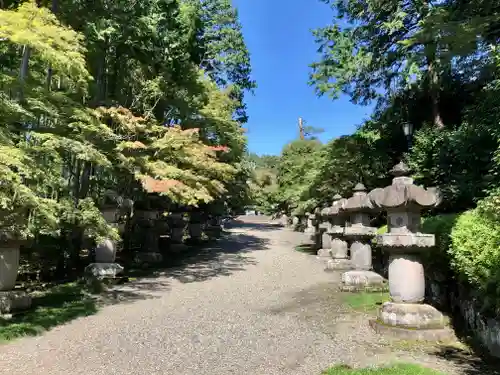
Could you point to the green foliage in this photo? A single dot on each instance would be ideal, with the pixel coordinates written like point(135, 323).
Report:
point(53, 307)
point(104, 96)
point(398, 369)
point(475, 255)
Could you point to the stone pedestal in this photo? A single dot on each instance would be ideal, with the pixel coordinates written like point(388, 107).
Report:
point(11, 300)
point(145, 257)
point(103, 270)
point(406, 316)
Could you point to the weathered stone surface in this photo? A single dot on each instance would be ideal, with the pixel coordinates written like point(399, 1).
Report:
point(362, 278)
point(324, 253)
point(361, 256)
point(11, 301)
point(406, 278)
point(148, 257)
point(103, 270)
point(326, 240)
point(195, 230)
point(360, 231)
point(406, 242)
point(339, 248)
point(9, 266)
point(411, 315)
point(105, 252)
point(431, 335)
point(338, 265)
point(403, 192)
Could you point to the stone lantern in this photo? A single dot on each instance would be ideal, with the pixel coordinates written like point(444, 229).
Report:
point(312, 231)
point(339, 245)
point(104, 266)
point(359, 234)
point(149, 227)
point(295, 223)
point(406, 316)
point(324, 227)
point(195, 226)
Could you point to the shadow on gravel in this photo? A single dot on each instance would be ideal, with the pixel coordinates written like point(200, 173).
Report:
point(61, 304)
point(240, 224)
point(66, 302)
point(222, 259)
point(470, 362)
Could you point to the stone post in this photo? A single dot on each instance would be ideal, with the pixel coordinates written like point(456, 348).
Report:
point(406, 316)
point(324, 226)
point(105, 266)
point(339, 245)
point(359, 234)
point(295, 223)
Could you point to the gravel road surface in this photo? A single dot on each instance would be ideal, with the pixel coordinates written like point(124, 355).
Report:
point(250, 305)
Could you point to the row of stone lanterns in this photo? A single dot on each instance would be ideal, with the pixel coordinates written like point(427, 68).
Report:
point(347, 223)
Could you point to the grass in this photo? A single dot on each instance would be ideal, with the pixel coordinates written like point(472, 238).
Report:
point(399, 369)
point(364, 301)
point(51, 308)
point(306, 248)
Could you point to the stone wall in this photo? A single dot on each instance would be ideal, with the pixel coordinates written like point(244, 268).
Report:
point(485, 330)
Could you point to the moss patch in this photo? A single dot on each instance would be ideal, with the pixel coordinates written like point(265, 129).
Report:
point(364, 301)
point(51, 308)
point(399, 369)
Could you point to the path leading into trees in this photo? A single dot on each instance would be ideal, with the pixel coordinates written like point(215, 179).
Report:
point(251, 305)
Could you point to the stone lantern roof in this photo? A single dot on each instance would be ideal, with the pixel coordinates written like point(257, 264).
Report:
point(337, 206)
point(359, 202)
point(403, 193)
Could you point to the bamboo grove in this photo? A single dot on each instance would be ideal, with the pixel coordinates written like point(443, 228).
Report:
point(105, 95)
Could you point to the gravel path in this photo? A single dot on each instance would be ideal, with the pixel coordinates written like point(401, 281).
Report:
point(252, 306)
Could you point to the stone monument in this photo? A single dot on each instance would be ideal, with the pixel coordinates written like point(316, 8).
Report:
point(406, 316)
point(339, 245)
point(359, 234)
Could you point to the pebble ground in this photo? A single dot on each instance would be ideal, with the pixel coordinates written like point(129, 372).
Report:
point(250, 305)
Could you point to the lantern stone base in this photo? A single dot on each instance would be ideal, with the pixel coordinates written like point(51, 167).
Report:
point(339, 264)
point(148, 257)
point(324, 253)
point(103, 270)
point(178, 247)
point(412, 321)
point(12, 301)
point(362, 280)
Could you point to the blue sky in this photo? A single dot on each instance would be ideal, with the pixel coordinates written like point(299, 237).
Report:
point(278, 35)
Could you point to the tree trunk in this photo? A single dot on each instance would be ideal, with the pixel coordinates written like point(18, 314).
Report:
point(434, 93)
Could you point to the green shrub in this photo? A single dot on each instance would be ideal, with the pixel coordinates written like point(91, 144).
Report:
point(475, 254)
point(441, 226)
